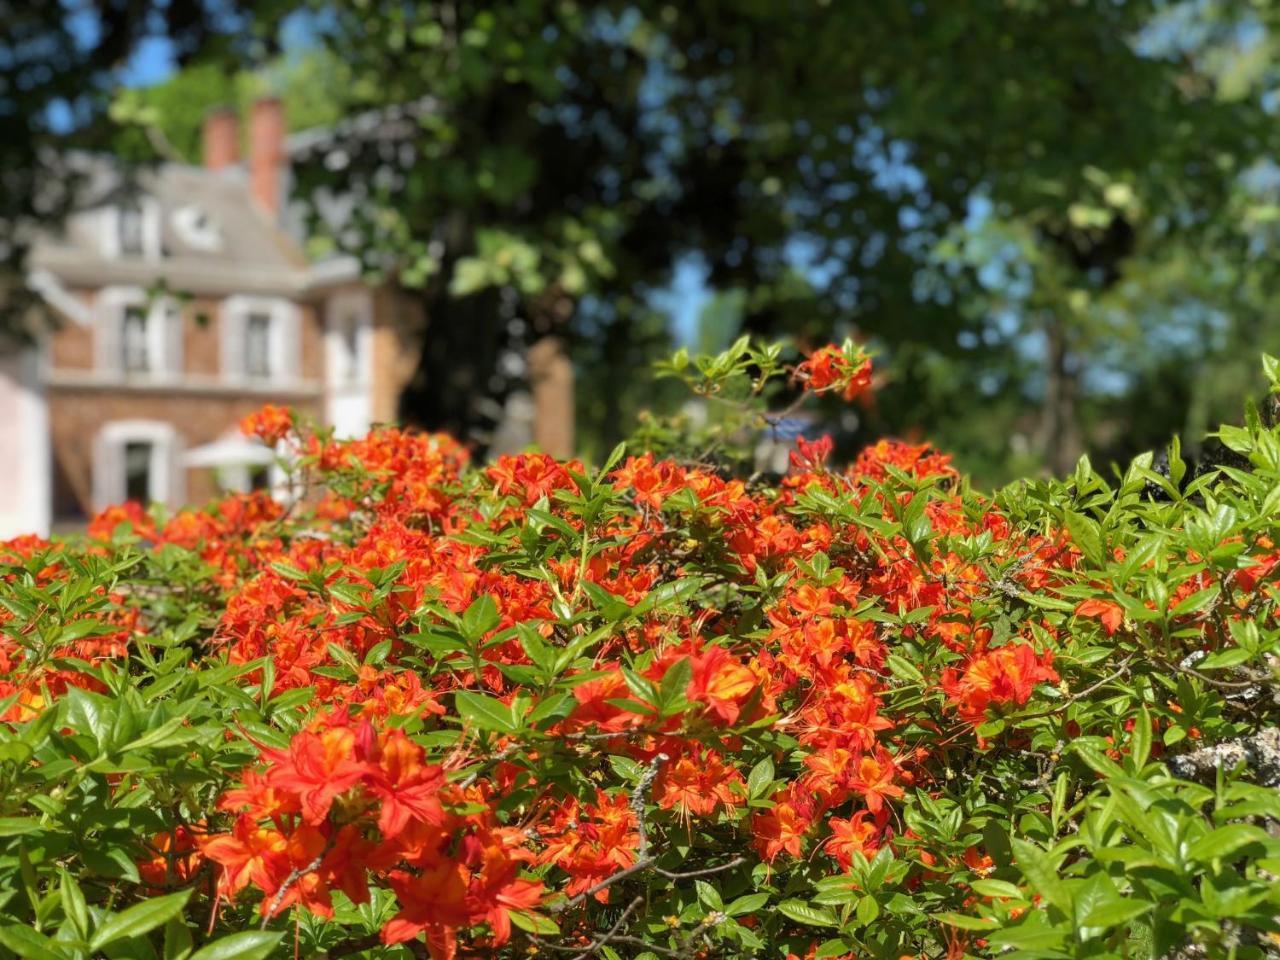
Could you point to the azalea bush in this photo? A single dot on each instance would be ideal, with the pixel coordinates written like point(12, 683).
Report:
point(657, 707)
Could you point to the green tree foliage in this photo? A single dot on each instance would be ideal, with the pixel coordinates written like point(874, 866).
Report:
point(164, 120)
point(568, 154)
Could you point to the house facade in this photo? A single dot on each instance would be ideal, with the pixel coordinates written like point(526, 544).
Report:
point(178, 304)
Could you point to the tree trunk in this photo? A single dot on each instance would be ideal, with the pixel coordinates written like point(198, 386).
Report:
point(1059, 434)
point(551, 381)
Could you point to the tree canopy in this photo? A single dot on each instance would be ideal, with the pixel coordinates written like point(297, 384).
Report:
point(1052, 221)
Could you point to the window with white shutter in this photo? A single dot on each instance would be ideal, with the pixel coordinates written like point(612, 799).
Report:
point(257, 344)
point(137, 460)
point(260, 338)
point(130, 229)
point(138, 336)
point(134, 342)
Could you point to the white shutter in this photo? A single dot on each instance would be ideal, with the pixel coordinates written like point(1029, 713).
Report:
point(231, 320)
point(173, 324)
point(108, 471)
point(176, 493)
point(288, 340)
point(108, 322)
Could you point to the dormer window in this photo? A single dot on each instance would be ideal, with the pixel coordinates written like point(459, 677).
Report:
point(196, 229)
point(131, 228)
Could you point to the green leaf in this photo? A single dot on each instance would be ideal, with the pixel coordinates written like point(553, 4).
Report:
point(535, 923)
point(802, 912)
point(760, 778)
point(903, 669)
point(177, 939)
point(997, 888)
point(249, 945)
point(1141, 744)
point(15, 826)
point(868, 910)
point(749, 903)
point(28, 944)
point(963, 921)
point(479, 618)
point(73, 903)
point(89, 713)
point(351, 594)
point(1224, 841)
point(1087, 536)
point(139, 919)
point(671, 692)
point(708, 895)
point(484, 712)
point(288, 571)
point(1041, 871)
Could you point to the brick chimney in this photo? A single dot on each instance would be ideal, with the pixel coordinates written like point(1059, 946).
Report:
point(221, 138)
point(266, 153)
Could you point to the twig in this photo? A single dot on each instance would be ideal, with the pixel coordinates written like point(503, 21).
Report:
point(710, 920)
point(704, 872)
point(609, 881)
point(611, 932)
point(648, 863)
point(297, 874)
point(638, 799)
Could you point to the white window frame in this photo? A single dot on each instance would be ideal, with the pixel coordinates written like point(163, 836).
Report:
point(164, 333)
point(110, 236)
point(164, 474)
point(356, 305)
point(284, 338)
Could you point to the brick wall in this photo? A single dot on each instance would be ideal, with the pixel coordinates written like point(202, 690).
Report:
point(71, 345)
point(201, 409)
point(77, 414)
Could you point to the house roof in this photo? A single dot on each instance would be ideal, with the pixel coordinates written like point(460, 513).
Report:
point(213, 237)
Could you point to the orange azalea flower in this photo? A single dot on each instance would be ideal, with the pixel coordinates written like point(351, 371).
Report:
point(177, 857)
point(317, 767)
point(1006, 675)
point(782, 828)
point(720, 682)
point(249, 854)
point(406, 786)
point(978, 862)
point(595, 707)
point(696, 783)
point(271, 424)
point(857, 834)
point(1111, 614)
point(258, 799)
point(836, 369)
point(432, 902)
point(591, 842)
point(874, 779)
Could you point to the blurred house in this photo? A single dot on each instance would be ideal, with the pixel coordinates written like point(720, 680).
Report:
point(182, 303)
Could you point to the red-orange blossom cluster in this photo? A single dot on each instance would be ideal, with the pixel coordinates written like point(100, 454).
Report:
point(356, 800)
